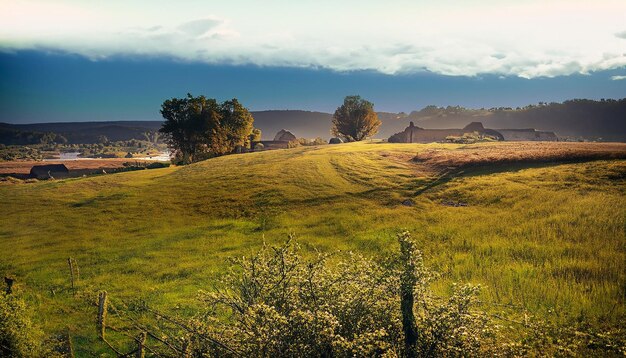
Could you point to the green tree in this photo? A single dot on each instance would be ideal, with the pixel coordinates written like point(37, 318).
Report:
point(255, 136)
point(102, 139)
point(236, 123)
point(200, 127)
point(355, 119)
point(183, 126)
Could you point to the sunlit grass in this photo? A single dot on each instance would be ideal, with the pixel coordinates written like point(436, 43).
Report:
point(543, 237)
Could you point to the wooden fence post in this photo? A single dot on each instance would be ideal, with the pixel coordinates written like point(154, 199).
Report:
point(77, 271)
point(187, 348)
point(9, 281)
point(102, 312)
point(69, 262)
point(141, 342)
point(74, 273)
point(70, 346)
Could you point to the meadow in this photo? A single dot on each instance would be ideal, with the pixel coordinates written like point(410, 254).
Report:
point(542, 230)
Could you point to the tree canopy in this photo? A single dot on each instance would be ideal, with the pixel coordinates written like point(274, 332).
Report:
point(255, 135)
point(200, 127)
point(355, 119)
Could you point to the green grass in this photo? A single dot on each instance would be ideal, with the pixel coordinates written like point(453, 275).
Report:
point(546, 237)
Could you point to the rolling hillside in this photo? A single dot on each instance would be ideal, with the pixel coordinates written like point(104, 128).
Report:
point(541, 235)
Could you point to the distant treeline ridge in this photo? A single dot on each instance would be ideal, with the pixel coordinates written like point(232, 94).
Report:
point(579, 118)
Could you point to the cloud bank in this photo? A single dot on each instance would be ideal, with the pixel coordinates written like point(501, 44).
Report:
point(460, 38)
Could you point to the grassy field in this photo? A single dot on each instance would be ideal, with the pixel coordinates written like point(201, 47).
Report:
point(540, 235)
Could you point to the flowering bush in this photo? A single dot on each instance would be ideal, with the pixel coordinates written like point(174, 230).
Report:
point(19, 337)
point(279, 303)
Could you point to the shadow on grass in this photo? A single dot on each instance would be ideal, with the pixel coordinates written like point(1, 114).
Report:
point(468, 171)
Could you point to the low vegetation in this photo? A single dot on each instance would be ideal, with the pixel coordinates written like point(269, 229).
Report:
point(470, 138)
point(19, 336)
point(544, 238)
point(280, 303)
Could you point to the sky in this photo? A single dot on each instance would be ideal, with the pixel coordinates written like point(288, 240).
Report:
point(71, 60)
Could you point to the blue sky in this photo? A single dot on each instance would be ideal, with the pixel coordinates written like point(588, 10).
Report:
point(70, 60)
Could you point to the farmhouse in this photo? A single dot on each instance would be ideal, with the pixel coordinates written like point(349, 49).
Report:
point(413, 134)
point(49, 171)
point(281, 141)
point(527, 135)
point(284, 136)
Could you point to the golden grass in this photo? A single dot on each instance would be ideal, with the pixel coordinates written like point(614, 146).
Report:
point(542, 237)
point(520, 152)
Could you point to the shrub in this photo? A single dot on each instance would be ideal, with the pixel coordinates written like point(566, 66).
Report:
point(469, 138)
point(318, 141)
point(19, 337)
point(308, 142)
point(157, 165)
point(279, 303)
point(282, 304)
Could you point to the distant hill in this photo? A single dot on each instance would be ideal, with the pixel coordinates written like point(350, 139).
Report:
point(580, 118)
point(76, 132)
point(301, 123)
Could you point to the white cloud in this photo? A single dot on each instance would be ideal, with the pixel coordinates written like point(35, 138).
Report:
point(618, 78)
point(529, 39)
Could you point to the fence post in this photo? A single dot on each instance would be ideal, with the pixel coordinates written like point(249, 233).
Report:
point(70, 345)
point(141, 341)
point(187, 348)
point(102, 312)
point(75, 264)
point(9, 281)
point(71, 265)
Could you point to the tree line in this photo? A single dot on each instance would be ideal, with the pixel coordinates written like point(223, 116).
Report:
point(198, 128)
point(590, 119)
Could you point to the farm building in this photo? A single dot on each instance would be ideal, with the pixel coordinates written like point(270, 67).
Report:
point(413, 134)
point(527, 135)
point(49, 171)
point(284, 136)
point(281, 141)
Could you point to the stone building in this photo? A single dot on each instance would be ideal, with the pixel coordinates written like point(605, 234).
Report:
point(414, 134)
